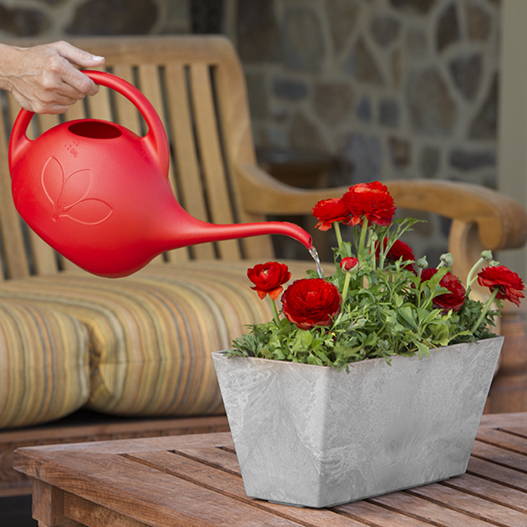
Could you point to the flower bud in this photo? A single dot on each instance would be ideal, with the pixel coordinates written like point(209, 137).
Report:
point(422, 263)
point(446, 260)
point(487, 255)
point(347, 264)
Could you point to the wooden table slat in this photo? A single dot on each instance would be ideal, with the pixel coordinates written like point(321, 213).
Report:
point(380, 516)
point(500, 456)
point(194, 481)
point(426, 510)
point(504, 420)
point(218, 457)
point(490, 490)
point(491, 471)
point(471, 505)
point(503, 439)
point(518, 430)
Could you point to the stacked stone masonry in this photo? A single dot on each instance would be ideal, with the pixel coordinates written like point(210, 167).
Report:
point(393, 88)
point(57, 19)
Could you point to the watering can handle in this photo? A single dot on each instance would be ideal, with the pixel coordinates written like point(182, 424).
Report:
point(155, 138)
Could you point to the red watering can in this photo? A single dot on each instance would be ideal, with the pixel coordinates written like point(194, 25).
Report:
point(99, 194)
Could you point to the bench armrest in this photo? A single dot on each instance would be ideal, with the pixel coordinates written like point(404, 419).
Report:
point(501, 221)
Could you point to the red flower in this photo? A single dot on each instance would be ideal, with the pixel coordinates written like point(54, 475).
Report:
point(371, 201)
point(453, 300)
point(311, 302)
point(268, 278)
point(508, 283)
point(348, 263)
point(399, 250)
point(328, 211)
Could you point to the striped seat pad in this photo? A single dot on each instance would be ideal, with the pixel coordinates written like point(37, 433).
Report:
point(44, 371)
point(152, 334)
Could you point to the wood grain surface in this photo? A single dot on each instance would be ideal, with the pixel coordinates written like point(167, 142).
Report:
point(195, 481)
point(108, 428)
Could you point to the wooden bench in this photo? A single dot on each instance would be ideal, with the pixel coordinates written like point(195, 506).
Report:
point(196, 83)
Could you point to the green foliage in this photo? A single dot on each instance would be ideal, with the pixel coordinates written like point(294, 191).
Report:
point(387, 310)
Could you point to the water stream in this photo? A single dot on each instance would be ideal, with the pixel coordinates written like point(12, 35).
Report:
point(314, 254)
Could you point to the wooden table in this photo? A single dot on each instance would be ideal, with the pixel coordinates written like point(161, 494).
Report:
point(194, 481)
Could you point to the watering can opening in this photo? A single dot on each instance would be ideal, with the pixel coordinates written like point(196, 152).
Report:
point(95, 129)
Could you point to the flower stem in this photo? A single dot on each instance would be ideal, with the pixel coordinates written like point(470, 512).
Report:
point(363, 231)
point(372, 244)
point(484, 311)
point(275, 311)
point(338, 234)
point(471, 275)
point(345, 288)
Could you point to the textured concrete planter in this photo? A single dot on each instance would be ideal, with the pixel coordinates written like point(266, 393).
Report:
point(316, 436)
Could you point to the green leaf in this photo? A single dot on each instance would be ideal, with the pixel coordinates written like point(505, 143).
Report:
point(422, 349)
point(302, 341)
point(407, 314)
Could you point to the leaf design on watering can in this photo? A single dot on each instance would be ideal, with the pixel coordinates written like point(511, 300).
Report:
point(52, 180)
point(76, 188)
point(90, 211)
point(69, 195)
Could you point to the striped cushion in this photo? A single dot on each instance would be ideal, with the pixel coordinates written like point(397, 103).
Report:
point(152, 334)
point(44, 372)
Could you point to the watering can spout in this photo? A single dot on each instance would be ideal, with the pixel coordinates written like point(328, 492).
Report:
point(191, 231)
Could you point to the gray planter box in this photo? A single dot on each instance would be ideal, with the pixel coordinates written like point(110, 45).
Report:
point(317, 436)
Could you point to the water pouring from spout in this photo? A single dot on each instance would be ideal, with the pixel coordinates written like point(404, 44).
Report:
point(314, 254)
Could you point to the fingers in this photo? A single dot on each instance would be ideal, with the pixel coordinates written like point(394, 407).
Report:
point(23, 101)
point(78, 56)
point(81, 83)
point(73, 83)
point(68, 91)
point(52, 108)
point(36, 106)
point(59, 99)
point(71, 75)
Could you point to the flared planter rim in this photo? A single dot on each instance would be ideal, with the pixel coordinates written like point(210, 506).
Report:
point(372, 361)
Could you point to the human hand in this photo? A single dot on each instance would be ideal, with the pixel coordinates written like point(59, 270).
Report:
point(45, 79)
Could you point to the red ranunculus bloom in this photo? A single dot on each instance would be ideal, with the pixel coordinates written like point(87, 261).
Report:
point(399, 250)
point(328, 211)
point(311, 302)
point(348, 263)
point(453, 300)
point(268, 278)
point(371, 201)
point(508, 283)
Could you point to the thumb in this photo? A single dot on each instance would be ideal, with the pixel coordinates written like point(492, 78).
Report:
point(78, 56)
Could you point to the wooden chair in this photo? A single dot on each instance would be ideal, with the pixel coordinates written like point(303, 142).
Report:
point(196, 83)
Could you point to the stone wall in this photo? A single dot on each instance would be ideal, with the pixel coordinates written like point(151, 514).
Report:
point(56, 19)
point(394, 88)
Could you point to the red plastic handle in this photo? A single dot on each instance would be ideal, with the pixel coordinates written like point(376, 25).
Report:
point(156, 137)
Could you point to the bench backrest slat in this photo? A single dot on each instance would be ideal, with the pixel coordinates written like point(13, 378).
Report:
point(15, 259)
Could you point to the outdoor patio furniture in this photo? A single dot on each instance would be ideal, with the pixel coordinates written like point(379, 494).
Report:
point(151, 334)
point(195, 480)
